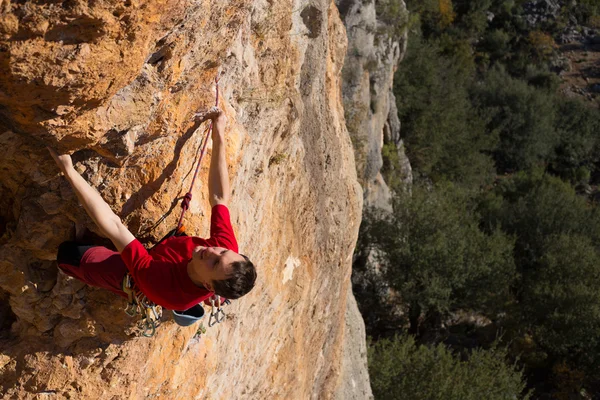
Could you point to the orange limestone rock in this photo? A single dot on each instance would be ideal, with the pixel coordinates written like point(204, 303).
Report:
point(116, 83)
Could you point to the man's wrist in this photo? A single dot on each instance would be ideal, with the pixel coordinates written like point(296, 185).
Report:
point(217, 135)
point(70, 172)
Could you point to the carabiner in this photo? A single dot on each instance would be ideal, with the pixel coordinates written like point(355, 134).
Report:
point(130, 310)
point(157, 310)
point(218, 317)
point(223, 315)
point(214, 319)
point(148, 327)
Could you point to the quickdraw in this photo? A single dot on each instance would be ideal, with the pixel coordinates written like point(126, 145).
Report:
point(219, 315)
point(138, 304)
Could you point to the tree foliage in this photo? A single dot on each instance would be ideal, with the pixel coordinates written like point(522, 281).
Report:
point(393, 15)
point(439, 122)
point(503, 217)
point(558, 261)
point(437, 259)
point(584, 11)
point(578, 129)
point(562, 300)
point(401, 369)
point(523, 116)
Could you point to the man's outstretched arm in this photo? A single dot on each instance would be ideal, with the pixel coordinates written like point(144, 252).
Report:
point(218, 177)
point(107, 221)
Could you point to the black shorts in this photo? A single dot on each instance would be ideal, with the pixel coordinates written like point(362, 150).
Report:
point(71, 253)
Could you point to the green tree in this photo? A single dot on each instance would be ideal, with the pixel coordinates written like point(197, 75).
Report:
point(394, 17)
point(533, 206)
point(583, 10)
point(562, 300)
point(436, 15)
point(400, 369)
point(523, 116)
point(558, 263)
point(472, 16)
point(479, 111)
point(445, 138)
point(436, 258)
point(578, 126)
point(496, 44)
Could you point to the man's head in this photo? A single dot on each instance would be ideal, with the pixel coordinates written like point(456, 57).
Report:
point(225, 272)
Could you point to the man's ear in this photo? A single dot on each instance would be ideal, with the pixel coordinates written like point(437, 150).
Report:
point(209, 287)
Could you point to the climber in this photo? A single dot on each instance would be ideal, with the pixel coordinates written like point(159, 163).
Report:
point(179, 272)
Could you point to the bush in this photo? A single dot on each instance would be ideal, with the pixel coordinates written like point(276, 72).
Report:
point(535, 206)
point(578, 126)
point(436, 15)
point(436, 258)
point(584, 11)
point(558, 261)
point(523, 116)
point(472, 16)
point(542, 45)
point(394, 17)
point(496, 43)
point(561, 300)
point(399, 369)
point(439, 122)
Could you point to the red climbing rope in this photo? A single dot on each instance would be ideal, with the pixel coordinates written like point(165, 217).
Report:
point(185, 202)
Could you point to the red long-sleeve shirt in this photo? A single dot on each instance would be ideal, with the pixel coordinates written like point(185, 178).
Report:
point(161, 274)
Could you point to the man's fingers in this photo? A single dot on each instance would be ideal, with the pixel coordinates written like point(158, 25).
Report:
point(54, 155)
point(211, 113)
point(63, 161)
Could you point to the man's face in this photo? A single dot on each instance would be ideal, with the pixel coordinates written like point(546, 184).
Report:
point(213, 263)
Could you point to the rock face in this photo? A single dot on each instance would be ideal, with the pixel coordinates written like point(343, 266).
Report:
point(540, 11)
point(116, 83)
point(377, 40)
point(369, 103)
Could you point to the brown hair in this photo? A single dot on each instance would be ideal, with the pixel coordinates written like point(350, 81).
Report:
point(240, 281)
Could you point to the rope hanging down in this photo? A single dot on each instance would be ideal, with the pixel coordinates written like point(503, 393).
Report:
point(185, 202)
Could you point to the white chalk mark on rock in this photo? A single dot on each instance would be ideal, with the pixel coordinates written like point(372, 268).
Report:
point(288, 271)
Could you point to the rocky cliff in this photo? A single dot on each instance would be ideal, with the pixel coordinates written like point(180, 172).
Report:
point(116, 83)
point(377, 39)
point(377, 42)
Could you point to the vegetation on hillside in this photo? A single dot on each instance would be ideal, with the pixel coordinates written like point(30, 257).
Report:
point(502, 222)
point(401, 369)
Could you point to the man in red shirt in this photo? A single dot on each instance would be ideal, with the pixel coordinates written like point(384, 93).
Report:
point(181, 271)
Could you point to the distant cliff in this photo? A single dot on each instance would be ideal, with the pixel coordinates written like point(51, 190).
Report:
point(116, 83)
point(377, 40)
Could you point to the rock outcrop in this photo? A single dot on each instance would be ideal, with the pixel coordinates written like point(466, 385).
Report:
point(116, 83)
point(377, 41)
point(537, 12)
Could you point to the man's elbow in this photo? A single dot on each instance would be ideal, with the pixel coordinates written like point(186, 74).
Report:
point(113, 226)
point(215, 200)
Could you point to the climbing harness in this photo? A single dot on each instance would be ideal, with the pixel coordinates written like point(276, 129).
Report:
point(138, 304)
point(185, 202)
point(151, 313)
